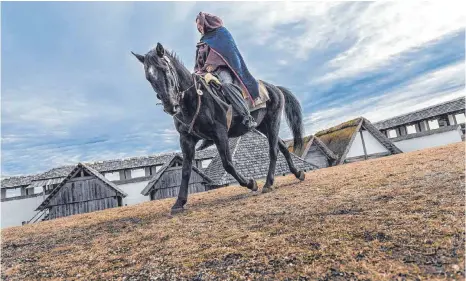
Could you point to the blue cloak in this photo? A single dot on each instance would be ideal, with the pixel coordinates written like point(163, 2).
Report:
point(221, 41)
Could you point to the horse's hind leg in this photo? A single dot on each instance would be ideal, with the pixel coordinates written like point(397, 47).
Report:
point(221, 141)
point(272, 136)
point(270, 127)
point(298, 174)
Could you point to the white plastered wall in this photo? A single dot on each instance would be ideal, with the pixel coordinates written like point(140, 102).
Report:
point(429, 141)
point(134, 193)
point(372, 144)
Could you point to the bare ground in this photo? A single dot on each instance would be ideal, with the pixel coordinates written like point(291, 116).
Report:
point(395, 218)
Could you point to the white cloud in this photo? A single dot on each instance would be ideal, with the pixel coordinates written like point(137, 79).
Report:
point(380, 30)
point(430, 89)
point(386, 29)
point(49, 108)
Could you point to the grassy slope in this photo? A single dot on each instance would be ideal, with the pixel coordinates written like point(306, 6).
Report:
point(389, 218)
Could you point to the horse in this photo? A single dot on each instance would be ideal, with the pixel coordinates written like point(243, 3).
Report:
point(197, 116)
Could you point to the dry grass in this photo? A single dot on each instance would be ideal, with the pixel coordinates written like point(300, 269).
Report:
point(395, 218)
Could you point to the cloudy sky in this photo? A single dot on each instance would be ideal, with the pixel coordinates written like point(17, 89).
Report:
point(71, 90)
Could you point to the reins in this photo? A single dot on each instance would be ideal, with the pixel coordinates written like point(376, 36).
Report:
point(180, 96)
point(199, 94)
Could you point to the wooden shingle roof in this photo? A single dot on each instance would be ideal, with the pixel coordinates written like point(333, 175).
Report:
point(103, 166)
point(425, 113)
point(250, 154)
point(18, 181)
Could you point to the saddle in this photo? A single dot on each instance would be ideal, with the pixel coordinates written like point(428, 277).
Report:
point(261, 101)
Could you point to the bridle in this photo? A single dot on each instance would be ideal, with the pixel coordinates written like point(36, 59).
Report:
point(180, 94)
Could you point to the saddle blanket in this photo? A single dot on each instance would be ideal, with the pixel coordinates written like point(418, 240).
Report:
point(261, 101)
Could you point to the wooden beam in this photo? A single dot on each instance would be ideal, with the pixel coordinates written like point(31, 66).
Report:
point(363, 144)
point(81, 179)
point(403, 131)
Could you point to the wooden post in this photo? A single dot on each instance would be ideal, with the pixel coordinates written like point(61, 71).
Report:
point(363, 145)
point(422, 126)
point(442, 121)
point(128, 174)
point(122, 175)
point(403, 130)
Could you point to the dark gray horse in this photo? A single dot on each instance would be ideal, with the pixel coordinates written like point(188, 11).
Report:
point(199, 117)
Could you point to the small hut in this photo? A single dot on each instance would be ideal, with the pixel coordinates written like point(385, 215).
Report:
point(166, 182)
point(356, 140)
point(84, 190)
point(314, 151)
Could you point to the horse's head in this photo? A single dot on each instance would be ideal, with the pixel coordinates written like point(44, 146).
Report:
point(163, 78)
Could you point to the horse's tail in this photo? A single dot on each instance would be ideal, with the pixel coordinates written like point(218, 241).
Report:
point(294, 117)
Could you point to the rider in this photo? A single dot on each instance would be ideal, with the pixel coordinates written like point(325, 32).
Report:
point(217, 54)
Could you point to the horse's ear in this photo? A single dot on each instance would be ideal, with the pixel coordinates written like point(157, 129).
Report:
point(160, 50)
point(139, 57)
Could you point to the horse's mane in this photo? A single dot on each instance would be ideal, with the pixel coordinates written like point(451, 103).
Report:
point(172, 54)
point(176, 61)
point(176, 58)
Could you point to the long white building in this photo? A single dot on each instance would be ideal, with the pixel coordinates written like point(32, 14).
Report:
point(20, 196)
point(436, 125)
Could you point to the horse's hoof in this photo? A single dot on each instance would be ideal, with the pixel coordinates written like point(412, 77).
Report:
point(267, 189)
point(176, 210)
point(252, 185)
point(301, 176)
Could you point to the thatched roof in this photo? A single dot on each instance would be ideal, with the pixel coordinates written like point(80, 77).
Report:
point(308, 142)
point(339, 138)
point(299, 152)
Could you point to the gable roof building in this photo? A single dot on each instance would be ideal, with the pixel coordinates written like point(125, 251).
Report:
point(356, 140)
point(314, 151)
point(166, 182)
point(83, 190)
point(250, 154)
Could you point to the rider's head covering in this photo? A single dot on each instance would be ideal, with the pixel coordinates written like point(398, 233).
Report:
point(209, 22)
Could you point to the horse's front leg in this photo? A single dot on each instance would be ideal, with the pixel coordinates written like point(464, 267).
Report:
point(188, 145)
point(221, 141)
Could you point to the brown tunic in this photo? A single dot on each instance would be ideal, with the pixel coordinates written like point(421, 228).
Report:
point(207, 60)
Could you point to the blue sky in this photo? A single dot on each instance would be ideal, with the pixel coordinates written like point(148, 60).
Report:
point(71, 90)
